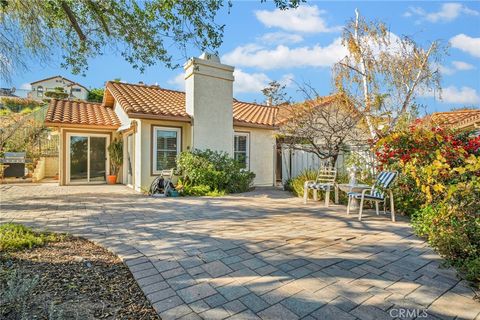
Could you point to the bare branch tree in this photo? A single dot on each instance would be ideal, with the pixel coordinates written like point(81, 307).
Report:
point(324, 126)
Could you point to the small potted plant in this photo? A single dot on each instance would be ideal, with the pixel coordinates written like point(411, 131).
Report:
point(115, 151)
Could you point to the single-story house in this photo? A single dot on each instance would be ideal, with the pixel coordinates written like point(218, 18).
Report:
point(156, 124)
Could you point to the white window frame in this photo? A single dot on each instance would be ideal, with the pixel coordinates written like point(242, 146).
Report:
point(154, 145)
point(247, 147)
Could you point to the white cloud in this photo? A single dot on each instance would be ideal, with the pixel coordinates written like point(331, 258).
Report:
point(287, 79)
point(244, 82)
point(249, 82)
point(178, 81)
point(454, 95)
point(465, 43)
point(252, 55)
point(280, 38)
point(448, 12)
point(446, 70)
point(463, 66)
point(464, 95)
point(26, 86)
point(302, 19)
point(456, 66)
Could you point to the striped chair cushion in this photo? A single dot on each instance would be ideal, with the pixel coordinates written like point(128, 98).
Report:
point(384, 180)
point(318, 186)
point(374, 196)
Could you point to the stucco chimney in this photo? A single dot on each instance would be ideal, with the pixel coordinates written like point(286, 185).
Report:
point(209, 101)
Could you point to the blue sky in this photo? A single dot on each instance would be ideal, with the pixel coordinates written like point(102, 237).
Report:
point(300, 45)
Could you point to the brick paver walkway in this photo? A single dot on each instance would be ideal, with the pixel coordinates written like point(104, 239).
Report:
point(258, 255)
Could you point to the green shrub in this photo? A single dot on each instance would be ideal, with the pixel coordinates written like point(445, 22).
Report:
point(200, 191)
point(14, 237)
point(297, 183)
point(95, 95)
point(215, 170)
point(454, 231)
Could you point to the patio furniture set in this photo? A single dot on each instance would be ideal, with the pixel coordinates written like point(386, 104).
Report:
point(357, 194)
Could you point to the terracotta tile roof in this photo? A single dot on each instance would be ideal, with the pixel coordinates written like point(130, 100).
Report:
point(251, 113)
point(459, 118)
point(151, 100)
point(67, 112)
point(139, 100)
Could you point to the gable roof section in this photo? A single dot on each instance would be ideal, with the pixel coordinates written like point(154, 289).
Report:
point(50, 78)
point(68, 113)
point(456, 119)
point(144, 101)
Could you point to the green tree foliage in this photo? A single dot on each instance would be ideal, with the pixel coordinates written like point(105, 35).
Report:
point(96, 95)
point(275, 93)
point(143, 32)
point(115, 150)
point(56, 93)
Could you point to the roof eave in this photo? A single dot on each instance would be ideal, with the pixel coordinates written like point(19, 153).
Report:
point(135, 115)
point(79, 125)
point(239, 123)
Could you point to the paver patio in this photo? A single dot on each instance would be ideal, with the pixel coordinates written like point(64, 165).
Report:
point(259, 255)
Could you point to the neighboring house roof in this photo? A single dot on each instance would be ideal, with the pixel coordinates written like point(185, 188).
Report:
point(145, 101)
point(49, 78)
point(287, 111)
point(67, 113)
point(457, 119)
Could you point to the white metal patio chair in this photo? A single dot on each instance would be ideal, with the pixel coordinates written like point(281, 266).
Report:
point(325, 182)
point(376, 194)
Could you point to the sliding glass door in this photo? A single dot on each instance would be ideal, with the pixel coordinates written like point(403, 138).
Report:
point(87, 158)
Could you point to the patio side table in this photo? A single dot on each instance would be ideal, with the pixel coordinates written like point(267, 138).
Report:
point(345, 187)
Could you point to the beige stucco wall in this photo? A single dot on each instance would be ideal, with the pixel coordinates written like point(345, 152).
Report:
point(143, 149)
point(51, 166)
point(121, 114)
point(208, 98)
point(262, 143)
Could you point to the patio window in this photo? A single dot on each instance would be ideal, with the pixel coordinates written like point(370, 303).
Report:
point(166, 146)
point(39, 91)
point(241, 148)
